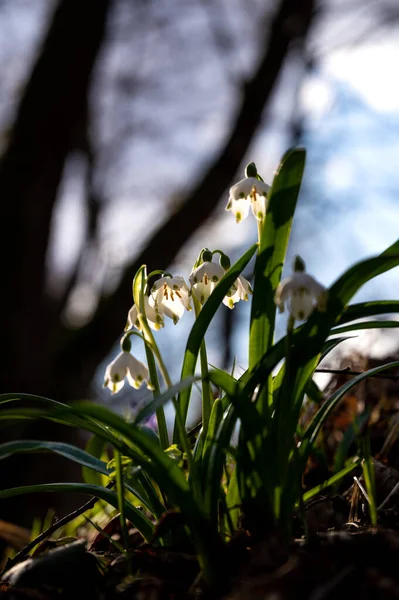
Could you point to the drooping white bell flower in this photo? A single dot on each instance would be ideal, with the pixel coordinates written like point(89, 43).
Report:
point(171, 297)
point(154, 318)
point(301, 293)
point(203, 280)
point(125, 365)
point(241, 290)
point(248, 192)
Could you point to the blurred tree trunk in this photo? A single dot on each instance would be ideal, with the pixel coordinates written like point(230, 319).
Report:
point(52, 116)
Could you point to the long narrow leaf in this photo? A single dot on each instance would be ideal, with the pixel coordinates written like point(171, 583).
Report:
point(67, 450)
point(308, 341)
point(96, 446)
point(201, 325)
point(368, 309)
point(315, 425)
point(162, 399)
point(365, 325)
point(331, 481)
point(274, 241)
point(135, 516)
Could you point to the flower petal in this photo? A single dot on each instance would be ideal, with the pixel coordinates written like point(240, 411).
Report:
point(125, 365)
point(170, 296)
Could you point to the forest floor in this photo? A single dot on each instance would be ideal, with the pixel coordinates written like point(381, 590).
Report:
point(336, 554)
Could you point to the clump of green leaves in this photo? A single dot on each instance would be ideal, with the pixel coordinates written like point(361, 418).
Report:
point(214, 484)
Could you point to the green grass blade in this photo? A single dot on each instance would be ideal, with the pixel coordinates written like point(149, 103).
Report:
point(120, 493)
point(11, 397)
point(140, 485)
point(350, 435)
point(162, 399)
point(314, 393)
point(166, 473)
point(216, 462)
point(308, 341)
point(233, 502)
point(214, 422)
point(91, 464)
point(368, 309)
point(315, 425)
point(135, 516)
point(368, 469)
point(331, 481)
point(224, 381)
point(365, 325)
point(95, 447)
point(201, 325)
point(67, 450)
point(122, 440)
point(70, 420)
point(270, 259)
point(242, 401)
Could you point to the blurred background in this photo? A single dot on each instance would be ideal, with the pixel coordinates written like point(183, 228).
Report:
point(123, 123)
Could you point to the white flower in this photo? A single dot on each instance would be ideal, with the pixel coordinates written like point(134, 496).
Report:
point(239, 291)
point(171, 297)
point(125, 365)
point(203, 280)
point(154, 318)
point(301, 293)
point(249, 191)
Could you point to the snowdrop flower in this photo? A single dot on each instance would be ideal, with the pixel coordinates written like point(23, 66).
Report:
point(240, 291)
point(301, 293)
point(154, 318)
point(248, 191)
point(125, 365)
point(171, 297)
point(203, 280)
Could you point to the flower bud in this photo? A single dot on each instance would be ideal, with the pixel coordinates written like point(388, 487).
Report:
point(224, 261)
point(299, 265)
point(206, 255)
point(251, 170)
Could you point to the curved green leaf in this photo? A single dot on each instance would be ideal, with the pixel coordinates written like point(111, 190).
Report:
point(17, 397)
point(273, 247)
point(67, 450)
point(331, 481)
point(315, 425)
point(201, 325)
point(217, 457)
point(368, 309)
point(135, 516)
point(364, 325)
point(233, 502)
point(162, 399)
point(307, 342)
point(96, 447)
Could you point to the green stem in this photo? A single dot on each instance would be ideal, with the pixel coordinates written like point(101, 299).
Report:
point(207, 399)
point(182, 431)
point(260, 223)
point(162, 428)
point(121, 496)
point(369, 476)
point(150, 350)
point(148, 337)
point(284, 426)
